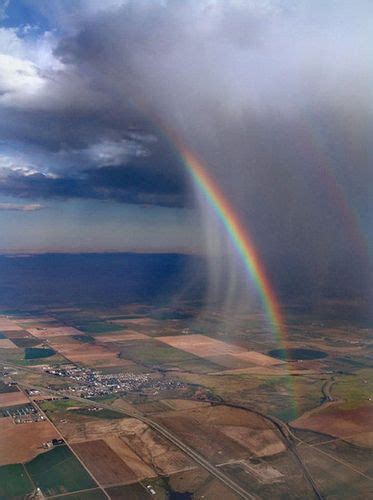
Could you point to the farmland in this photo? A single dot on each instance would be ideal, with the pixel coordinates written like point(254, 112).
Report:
point(22, 442)
point(93, 494)
point(35, 352)
point(14, 482)
point(58, 471)
point(109, 469)
point(183, 373)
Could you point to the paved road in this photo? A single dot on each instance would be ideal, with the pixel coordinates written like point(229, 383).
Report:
point(289, 439)
point(203, 462)
point(285, 431)
point(72, 450)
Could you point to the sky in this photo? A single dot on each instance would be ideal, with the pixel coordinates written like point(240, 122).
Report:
point(274, 96)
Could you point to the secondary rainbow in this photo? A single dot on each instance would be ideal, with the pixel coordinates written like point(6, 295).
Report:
point(239, 237)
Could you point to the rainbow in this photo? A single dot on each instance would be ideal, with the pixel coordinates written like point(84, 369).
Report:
point(241, 240)
point(239, 237)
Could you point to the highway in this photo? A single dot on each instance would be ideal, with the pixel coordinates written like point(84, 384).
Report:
point(160, 429)
point(287, 435)
point(289, 439)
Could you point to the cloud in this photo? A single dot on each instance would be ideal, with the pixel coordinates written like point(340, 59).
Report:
point(274, 97)
point(31, 207)
point(3, 7)
point(18, 79)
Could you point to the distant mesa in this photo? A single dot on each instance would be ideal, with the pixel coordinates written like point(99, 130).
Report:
point(297, 354)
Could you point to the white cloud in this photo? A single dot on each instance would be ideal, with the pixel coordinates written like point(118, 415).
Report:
point(114, 152)
point(19, 80)
point(27, 64)
point(30, 207)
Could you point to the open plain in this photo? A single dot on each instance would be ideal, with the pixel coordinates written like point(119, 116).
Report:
point(218, 395)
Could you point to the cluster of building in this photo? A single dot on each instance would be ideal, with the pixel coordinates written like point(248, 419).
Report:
point(53, 442)
point(23, 414)
point(90, 383)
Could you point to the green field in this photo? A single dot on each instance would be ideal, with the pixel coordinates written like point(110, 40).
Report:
point(7, 388)
point(353, 390)
point(14, 482)
point(26, 342)
point(135, 492)
point(97, 327)
point(85, 339)
point(64, 404)
point(95, 494)
point(58, 471)
point(38, 352)
point(59, 405)
point(151, 352)
point(109, 414)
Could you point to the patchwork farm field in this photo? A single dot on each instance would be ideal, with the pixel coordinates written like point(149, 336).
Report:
point(221, 433)
point(14, 482)
point(88, 354)
point(192, 370)
point(56, 331)
point(58, 471)
point(353, 426)
point(6, 344)
point(22, 442)
point(335, 479)
point(12, 398)
point(135, 437)
point(93, 494)
point(109, 468)
point(218, 351)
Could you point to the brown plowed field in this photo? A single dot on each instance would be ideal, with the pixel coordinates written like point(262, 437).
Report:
point(200, 345)
point(261, 443)
point(8, 325)
point(54, 331)
point(257, 358)
point(351, 425)
point(229, 361)
point(222, 432)
point(7, 344)
point(13, 398)
point(134, 462)
point(228, 355)
point(106, 466)
point(136, 321)
point(88, 354)
point(18, 334)
point(155, 451)
point(123, 336)
point(22, 442)
point(209, 441)
point(36, 319)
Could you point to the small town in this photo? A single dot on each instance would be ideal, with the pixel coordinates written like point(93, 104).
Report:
point(90, 383)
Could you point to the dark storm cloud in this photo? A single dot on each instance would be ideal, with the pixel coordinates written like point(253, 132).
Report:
point(129, 184)
point(274, 96)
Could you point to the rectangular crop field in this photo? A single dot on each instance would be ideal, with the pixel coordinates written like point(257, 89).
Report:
point(95, 494)
point(22, 442)
point(216, 350)
point(8, 325)
point(14, 482)
point(104, 463)
point(59, 471)
point(7, 344)
point(45, 332)
point(13, 398)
